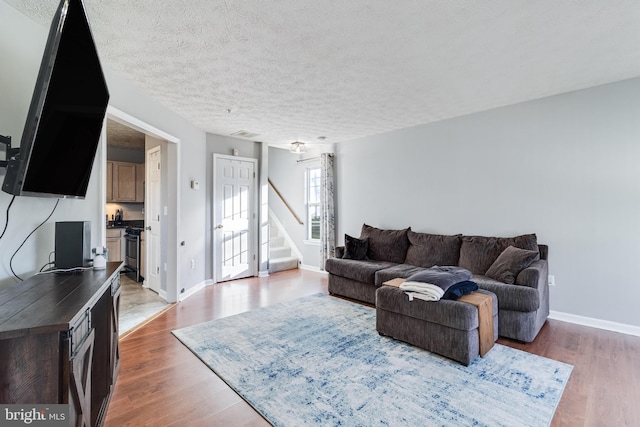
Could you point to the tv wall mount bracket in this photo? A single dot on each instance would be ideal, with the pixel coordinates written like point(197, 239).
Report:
point(10, 152)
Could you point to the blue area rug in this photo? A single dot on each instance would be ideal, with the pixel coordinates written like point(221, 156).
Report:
point(319, 361)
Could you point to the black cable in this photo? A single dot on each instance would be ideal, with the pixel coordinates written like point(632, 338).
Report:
point(43, 267)
point(6, 224)
point(27, 238)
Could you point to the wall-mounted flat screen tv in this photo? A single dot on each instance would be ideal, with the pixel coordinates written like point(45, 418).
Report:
point(67, 110)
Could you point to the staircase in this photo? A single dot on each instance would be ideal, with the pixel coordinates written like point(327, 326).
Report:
point(281, 256)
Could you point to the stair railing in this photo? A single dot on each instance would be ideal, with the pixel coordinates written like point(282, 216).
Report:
point(285, 202)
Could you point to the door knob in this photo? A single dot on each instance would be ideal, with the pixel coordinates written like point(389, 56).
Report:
point(219, 226)
point(148, 228)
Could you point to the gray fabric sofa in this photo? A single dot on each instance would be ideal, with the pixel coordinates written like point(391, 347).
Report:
point(522, 292)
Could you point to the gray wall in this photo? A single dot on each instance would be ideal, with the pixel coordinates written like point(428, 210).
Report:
point(21, 46)
point(564, 167)
point(120, 154)
point(184, 160)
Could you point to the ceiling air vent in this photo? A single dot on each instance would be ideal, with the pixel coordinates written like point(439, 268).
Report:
point(244, 134)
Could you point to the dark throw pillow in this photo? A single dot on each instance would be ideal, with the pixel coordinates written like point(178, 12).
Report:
point(355, 248)
point(477, 253)
point(427, 250)
point(511, 262)
point(386, 245)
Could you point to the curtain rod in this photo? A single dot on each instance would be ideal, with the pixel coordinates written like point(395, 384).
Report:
point(306, 160)
point(313, 158)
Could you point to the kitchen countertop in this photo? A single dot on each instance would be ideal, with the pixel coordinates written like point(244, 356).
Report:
point(127, 223)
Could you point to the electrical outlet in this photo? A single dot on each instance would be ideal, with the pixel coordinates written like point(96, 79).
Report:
point(552, 280)
point(193, 264)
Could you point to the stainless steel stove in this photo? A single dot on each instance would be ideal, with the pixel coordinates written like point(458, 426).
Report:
point(132, 253)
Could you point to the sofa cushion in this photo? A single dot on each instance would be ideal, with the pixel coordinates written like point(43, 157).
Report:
point(362, 271)
point(386, 245)
point(427, 250)
point(510, 297)
point(453, 314)
point(397, 271)
point(477, 253)
point(355, 248)
point(510, 263)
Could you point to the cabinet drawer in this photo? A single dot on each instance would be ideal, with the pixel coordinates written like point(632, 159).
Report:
point(114, 232)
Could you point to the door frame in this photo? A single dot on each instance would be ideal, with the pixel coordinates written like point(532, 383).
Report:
point(253, 227)
point(172, 173)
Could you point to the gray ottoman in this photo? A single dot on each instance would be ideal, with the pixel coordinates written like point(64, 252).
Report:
point(448, 328)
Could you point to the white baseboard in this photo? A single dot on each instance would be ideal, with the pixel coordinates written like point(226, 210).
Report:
point(263, 273)
point(595, 323)
point(183, 296)
point(311, 268)
point(162, 294)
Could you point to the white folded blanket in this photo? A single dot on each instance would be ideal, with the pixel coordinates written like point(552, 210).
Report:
point(422, 290)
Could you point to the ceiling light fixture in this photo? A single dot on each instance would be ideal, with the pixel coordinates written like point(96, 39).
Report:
point(297, 147)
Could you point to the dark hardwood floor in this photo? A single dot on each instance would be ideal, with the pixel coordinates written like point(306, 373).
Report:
point(161, 383)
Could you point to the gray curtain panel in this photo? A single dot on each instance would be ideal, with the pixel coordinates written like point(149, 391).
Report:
point(327, 220)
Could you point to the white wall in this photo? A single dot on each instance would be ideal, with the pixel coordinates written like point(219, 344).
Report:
point(21, 46)
point(564, 167)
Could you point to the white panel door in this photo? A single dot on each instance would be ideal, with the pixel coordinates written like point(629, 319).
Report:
point(234, 218)
point(153, 208)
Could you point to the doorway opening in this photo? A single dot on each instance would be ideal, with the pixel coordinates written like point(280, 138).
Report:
point(126, 141)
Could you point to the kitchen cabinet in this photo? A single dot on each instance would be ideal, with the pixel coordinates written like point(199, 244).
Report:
point(125, 182)
point(115, 244)
point(140, 171)
point(59, 341)
point(109, 181)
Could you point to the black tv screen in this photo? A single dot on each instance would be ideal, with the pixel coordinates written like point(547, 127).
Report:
point(67, 110)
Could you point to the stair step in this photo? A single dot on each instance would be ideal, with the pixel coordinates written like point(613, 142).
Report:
point(282, 264)
point(279, 252)
point(277, 241)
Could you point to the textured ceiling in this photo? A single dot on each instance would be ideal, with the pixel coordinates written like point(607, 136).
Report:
point(297, 69)
point(119, 135)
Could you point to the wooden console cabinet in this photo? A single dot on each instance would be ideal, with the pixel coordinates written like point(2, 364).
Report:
point(59, 341)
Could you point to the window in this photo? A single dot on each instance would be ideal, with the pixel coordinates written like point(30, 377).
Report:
point(313, 203)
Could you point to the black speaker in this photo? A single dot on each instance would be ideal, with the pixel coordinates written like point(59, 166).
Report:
point(73, 244)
